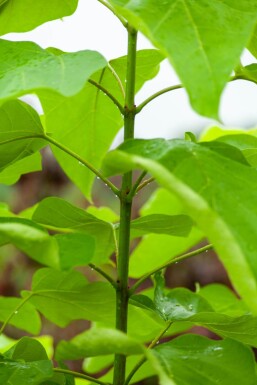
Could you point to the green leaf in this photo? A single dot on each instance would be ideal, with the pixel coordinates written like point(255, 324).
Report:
point(25, 317)
point(96, 342)
point(20, 133)
point(25, 363)
point(66, 296)
point(252, 45)
point(93, 117)
point(31, 238)
point(75, 249)
point(29, 68)
point(61, 215)
point(144, 256)
point(200, 55)
point(12, 13)
point(12, 174)
point(206, 182)
point(179, 225)
point(196, 360)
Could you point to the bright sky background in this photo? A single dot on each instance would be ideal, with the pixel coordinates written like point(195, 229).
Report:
point(94, 27)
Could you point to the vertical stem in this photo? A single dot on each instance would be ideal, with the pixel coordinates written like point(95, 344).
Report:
point(122, 292)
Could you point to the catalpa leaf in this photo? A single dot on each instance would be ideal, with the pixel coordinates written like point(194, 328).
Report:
point(94, 118)
point(12, 173)
point(66, 296)
point(205, 181)
point(179, 225)
point(196, 360)
point(30, 238)
point(29, 68)
point(12, 13)
point(61, 215)
point(21, 134)
point(200, 55)
point(27, 349)
point(23, 317)
point(97, 342)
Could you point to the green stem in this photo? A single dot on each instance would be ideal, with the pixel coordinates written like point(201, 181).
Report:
point(83, 162)
point(14, 312)
point(154, 96)
point(143, 359)
point(103, 274)
point(79, 375)
point(137, 183)
point(107, 93)
point(108, 6)
point(174, 260)
point(114, 73)
point(145, 183)
point(122, 294)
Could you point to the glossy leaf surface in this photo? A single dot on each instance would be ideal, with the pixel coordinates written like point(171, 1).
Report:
point(96, 342)
point(31, 238)
point(12, 13)
point(93, 116)
point(60, 214)
point(196, 360)
point(65, 296)
point(29, 68)
point(179, 29)
point(205, 182)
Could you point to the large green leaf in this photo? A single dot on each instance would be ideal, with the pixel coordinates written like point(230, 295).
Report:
point(61, 215)
point(88, 122)
point(29, 68)
point(97, 342)
point(20, 133)
point(145, 255)
point(31, 238)
point(202, 39)
point(66, 296)
point(25, 317)
point(12, 174)
point(179, 225)
point(27, 349)
point(252, 46)
point(24, 15)
point(210, 186)
point(196, 360)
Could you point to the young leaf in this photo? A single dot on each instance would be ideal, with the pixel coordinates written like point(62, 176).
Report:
point(25, 317)
point(96, 342)
point(31, 238)
point(29, 68)
point(12, 13)
point(196, 360)
point(21, 132)
point(66, 296)
point(205, 182)
point(94, 117)
point(200, 55)
point(59, 214)
point(179, 225)
point(27, 349)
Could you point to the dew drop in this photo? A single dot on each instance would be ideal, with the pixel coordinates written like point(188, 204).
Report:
point(16, 312)
point(190, 307)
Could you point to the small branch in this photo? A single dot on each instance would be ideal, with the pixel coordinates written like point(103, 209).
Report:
point(137, 183)
point(174, 260)
point(14, 312)
point(107, 93)
point(144, 183)
point(108, 6)
point(83, 162)
point(154, 96)
point(143, 359)
point(79, 375)
point(103, 274)
point(118, 79)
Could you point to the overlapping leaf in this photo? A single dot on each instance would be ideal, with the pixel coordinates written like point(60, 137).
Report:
point(209, 186)
point(12, 13)
point(88, 122)
point(203, 50)
point(59, 214)
point(196, 360)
